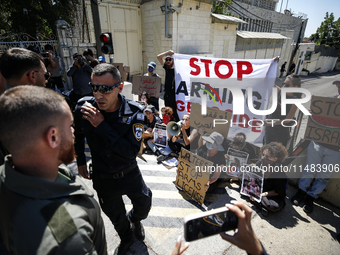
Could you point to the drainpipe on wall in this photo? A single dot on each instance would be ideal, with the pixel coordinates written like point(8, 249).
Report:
point(166, 19)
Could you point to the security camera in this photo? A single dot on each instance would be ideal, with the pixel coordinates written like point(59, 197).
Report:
point(175, 8)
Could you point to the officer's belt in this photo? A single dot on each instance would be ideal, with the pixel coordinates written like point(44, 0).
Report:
point(116, 175)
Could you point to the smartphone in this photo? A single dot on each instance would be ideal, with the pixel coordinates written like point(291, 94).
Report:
point(212, 222)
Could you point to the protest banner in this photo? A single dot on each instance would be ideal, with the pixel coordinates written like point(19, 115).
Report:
point(324, 124)
point(195, 76)
point(159, 135)
point(236, 160)
point(149, 84)
point(197, 120)
point(252, 182)
point(193, 173)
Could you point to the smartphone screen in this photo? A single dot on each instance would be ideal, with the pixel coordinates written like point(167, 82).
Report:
point(208, 225)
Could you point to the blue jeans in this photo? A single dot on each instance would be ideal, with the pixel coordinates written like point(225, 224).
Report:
point(317, 154)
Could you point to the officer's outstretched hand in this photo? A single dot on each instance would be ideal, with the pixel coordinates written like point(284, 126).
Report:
point(245, 237)
point(82, 170)
point(92, 114)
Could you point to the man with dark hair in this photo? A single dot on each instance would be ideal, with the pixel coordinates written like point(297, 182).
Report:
point(88, 54)
point(23, 67)
point(80, 72)
point(113, 127)
point(169, 85)
point(38, 191)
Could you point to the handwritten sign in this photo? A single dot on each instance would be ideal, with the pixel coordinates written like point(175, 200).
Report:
point(324, 124)
point(193, 173)
point(197, 120)
point(149, 84)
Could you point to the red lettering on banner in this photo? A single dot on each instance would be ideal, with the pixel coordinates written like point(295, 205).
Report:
point(206, 66)
point(217, 69)
point(256, 125)
point(241, 71)
point(193, 65)
point(180, 107)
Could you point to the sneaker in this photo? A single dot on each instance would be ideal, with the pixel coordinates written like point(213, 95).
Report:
point(171, 162)
point(298, 197)
point(308, 207)
point(158, 153)
point(123, 247)
point(161, 158)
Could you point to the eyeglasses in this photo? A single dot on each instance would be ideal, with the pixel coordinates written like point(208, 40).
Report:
point(47, 75)
point(105, 89)
point(168, 59)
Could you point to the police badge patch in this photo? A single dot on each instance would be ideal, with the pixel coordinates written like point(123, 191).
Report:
point(138, 130)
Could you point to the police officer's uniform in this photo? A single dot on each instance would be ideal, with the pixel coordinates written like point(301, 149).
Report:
point(114, 145)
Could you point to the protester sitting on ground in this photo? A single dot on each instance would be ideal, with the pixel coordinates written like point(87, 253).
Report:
point(167, 114)
point(189, 137)
point(275, 182)
point(211, 149)
point(238, 142)
point(150, 121)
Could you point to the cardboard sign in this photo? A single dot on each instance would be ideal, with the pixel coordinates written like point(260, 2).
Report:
point(124, 70)
point(149, 84)
point(197, 120)
point(324, 124)
point(193, 173)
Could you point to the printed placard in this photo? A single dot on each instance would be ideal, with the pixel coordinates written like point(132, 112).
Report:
point(252, 183)
point(159, 135)
point(235, 160)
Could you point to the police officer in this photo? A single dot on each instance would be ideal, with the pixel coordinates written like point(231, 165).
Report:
point(113, 127)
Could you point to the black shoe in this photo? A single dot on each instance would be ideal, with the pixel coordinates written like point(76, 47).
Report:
point(298, 197)
point(138, 230)
point(161, 158)
point(264, 211)
point(158, 153)
point(123, 247)
point(308, 207)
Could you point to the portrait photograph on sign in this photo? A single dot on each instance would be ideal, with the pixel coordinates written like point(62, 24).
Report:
point(159, 135)
point(252, 183)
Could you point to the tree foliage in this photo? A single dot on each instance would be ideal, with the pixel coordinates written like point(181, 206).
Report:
point(328, 33)
point(34, 16)
point(221, 6)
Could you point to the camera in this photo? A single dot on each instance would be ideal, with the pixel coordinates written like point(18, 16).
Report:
point(45, 54)
point(209, 223)
point(81, 61)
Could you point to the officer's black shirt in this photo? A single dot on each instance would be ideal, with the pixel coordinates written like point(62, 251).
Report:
point(115, 142)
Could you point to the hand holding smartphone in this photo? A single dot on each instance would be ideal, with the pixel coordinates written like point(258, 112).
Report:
point(209, 223)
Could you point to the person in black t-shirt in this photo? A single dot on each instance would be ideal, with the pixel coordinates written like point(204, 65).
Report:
point(283, 69)
point(275, 182)
point(169, 86)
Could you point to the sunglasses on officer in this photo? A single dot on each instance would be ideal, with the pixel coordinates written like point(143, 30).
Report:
point(103, 88)
point(47, 75)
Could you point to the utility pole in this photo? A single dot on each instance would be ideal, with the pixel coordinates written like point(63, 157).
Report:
point(96, 25)
point(296, 46)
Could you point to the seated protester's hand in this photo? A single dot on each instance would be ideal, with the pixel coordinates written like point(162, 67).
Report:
point(226, 156)
point(152, 141)
point(277, 59)
point(251, 198)
point(245, 237)
point(149, 130)
point(178, 250)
